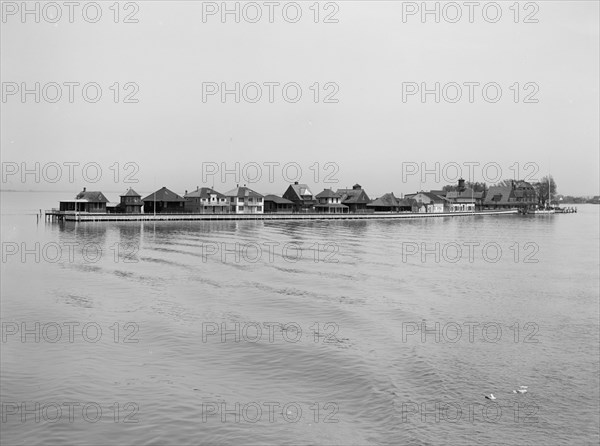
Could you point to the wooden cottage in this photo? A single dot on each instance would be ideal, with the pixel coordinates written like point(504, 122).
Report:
point(243, 200)
point(85, 201)
point(329, 202)
point(356, 198)
point(275, 204)
point(164, 201)
point(205, 200)
point(131, 203)
point(301, 196)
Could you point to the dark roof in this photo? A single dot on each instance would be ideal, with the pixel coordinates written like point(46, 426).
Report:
point(498, 195)
point(130, 193)
point(387, 200)
point(354, 195)
point(432, 197)
point(277, 199)
point(441, 193)
point(328, 193)
point(203, 192)
point(165, 195)
point(242, 191)
point(300, 190)
point(92, 196)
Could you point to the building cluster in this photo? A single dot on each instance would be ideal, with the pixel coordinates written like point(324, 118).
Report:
point(298, 198)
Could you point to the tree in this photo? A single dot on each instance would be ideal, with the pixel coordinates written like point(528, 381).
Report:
point(477, 187)
point(541, 189)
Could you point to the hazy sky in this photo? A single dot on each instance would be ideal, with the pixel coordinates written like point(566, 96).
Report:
point(367, 56)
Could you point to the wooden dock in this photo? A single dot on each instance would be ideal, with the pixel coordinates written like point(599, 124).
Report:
point(55, 215)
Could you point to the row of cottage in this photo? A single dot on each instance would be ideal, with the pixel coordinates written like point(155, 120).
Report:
point(299, 198)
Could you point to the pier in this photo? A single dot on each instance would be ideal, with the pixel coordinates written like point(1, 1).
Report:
point(56, 215)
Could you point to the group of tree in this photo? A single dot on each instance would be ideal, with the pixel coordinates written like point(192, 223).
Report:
point(476, 186)
point(545, 188)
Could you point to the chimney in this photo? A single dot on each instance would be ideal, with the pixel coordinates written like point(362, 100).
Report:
point(237, 185)
point(295, 182)
point(185, 192)
point(84, 189)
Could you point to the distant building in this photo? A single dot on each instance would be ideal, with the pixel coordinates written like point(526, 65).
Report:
point(205, 200)
point(405, 204)
point(499, 197)
point(356, 198)
point(131, 203)
point(166, 201)
point(243, 200)
point(525, 194)
point(428, 202)
point(301, 196)
point(385, 203)
point(329, 202)
point(464, 199)
point(85, 201)
point(518, 194)
point(275, 204)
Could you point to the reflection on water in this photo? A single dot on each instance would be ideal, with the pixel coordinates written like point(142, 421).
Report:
point(332, 311)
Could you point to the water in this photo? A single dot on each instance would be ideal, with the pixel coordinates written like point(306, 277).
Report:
point(355, 370)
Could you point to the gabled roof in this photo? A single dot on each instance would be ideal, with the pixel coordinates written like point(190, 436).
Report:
point(203, 192)
point(277, 199)
point(130, 193)
point(300, 190)
point(432, 197)
point(354, 195)
point(498, 195)
point(387, 200)
point(92, 196)
point(328, 193)
point(164, 194)
point(243, 191)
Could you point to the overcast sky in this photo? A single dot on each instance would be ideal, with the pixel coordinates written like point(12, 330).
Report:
point(369, 133)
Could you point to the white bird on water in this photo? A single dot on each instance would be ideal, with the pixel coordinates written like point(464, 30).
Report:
point(521, 389)
point(490, 397)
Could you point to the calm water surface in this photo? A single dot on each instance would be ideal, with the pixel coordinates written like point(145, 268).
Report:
point(346, 369)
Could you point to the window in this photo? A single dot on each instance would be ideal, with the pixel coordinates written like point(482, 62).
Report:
point(240, 208)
